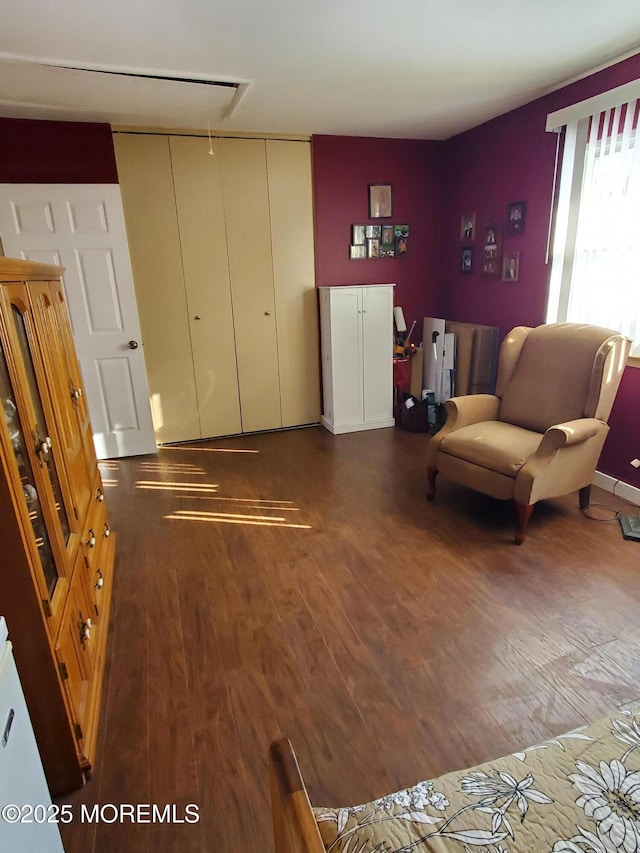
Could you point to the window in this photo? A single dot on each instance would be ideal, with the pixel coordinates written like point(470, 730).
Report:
point(595, 274)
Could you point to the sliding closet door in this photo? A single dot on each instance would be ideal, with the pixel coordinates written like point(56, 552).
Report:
point(246, 204)
point(201, 219)
point(290, 201)
point(144, 170)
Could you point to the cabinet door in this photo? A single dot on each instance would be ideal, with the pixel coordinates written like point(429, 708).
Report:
point(246, 204)
point(144, 170)
point(198, 189)
point(63, 392)
point(38, 452)
point(74, 654)
point(291, 210)
point(346, 354)
point(377, 335)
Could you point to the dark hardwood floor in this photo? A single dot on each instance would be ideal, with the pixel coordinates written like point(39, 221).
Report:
point(299, 584)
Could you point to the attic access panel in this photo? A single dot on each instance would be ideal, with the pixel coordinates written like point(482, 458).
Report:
point(138, 98)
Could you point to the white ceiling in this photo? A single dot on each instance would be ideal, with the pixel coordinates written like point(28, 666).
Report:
point(411, 68)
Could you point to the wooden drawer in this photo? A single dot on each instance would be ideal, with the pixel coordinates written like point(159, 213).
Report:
point(98, 549)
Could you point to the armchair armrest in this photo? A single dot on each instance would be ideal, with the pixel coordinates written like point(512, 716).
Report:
point(564, 435)
point(470, 409)
point(462, 412)
point(550, 471)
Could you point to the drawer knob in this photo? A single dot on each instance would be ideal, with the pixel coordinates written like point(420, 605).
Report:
point(91, 541)
point(100, 582)
point(107, 532)
point(100, 496)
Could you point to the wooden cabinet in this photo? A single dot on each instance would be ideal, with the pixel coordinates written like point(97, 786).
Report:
point(222, 256)
point(357, 357)
point(58, 550)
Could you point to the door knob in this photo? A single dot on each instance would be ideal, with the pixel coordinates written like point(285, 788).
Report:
point(267, 313)
point(133, 344)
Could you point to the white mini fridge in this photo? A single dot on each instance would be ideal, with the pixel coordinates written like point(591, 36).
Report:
point(22, 780)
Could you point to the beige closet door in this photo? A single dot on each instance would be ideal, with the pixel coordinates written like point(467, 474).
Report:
point(246, 205)
point(144, 170)
point(201, 219)
point(290, 198)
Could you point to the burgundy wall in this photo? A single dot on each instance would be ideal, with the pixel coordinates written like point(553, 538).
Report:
point(343, 167)
point(56, 152)
point(511, 158)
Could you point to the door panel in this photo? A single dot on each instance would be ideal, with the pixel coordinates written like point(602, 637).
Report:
point(81, 227)
point(144, 168)
point(377, 333)
point(290, 207)
point(198, 191)
point(246, 204)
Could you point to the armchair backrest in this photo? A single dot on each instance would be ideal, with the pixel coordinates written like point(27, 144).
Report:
point(559, 372)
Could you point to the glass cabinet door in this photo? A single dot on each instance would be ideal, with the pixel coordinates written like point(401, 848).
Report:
point(42, 433)
point(27, 479)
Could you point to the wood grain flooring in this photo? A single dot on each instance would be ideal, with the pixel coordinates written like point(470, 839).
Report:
point(298, 584)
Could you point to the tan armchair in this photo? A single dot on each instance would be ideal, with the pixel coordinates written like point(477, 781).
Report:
point(541, 434)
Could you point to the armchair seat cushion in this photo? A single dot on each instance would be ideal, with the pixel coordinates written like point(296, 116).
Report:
point(494, 445)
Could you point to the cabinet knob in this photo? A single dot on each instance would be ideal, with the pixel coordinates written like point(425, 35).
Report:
point(100, 582)
point(267, 313)
point(133, 345)
point(100, 496)
point(91, 541)
point(197, 317)
point(107, 532)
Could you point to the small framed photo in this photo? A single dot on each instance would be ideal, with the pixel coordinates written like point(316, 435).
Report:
point(358, 252)
point(386, 235)
point(379, 201)
point(372, 231)
point(511, 266)
point(402, 245)
point(516, 216)
point(468, 226)
point(491, 251)
point(401, 230)
point(387, 251)
point(466, 260)
point(373, 247)
point(357, 235)
point(491, 235)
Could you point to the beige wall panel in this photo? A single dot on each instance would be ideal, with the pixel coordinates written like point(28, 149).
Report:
point(246, 204)
point(290, 198)
point(144, 170)
point(201, 220)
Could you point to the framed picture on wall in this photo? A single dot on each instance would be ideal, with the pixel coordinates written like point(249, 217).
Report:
point(357, 253)
point(379, 201)
point(357, 235)
point(373, 247)
point(372, 231)
point(386, 235)
point(511, 266)
point(402, 245)
point(466, 260)
point(468, 226)
point(516, 214)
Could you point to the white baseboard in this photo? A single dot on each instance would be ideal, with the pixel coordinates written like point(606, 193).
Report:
point(617, 487)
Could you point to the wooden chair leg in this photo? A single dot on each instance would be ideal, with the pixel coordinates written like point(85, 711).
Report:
point(523, 512)
point(584, 496)
point(432, 473)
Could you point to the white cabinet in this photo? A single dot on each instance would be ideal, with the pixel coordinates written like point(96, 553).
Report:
point(23, 788)
point(356, 325)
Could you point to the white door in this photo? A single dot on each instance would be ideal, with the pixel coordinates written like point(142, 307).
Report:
point(81, 227)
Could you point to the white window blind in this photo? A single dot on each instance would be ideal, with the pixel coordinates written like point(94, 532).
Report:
point(596, 261)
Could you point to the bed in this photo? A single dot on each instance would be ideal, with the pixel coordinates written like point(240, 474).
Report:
point(575, 793)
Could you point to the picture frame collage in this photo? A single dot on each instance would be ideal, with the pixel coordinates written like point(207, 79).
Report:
point(383, 240)
point(378, 241)
point(494, 260)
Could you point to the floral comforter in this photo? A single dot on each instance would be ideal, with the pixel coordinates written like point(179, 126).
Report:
point(577, 793)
